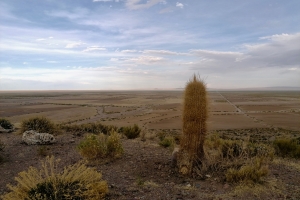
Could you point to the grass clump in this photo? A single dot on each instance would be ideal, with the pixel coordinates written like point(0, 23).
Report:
point(167, 141)
point(74, 182)
point(95, 128)
point(235, 160)
point(287, 147)
point(131, 132)
point(39, 124)
point(101, 146)
point(251, 172)
point(6, 124)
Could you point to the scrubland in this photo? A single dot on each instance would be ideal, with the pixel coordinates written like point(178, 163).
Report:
point(251, 150)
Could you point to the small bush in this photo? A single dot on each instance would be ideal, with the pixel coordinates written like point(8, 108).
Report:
point(131, 132)
point(95, 128)
point(287, 147)
point(252, 172)
point(39, 124)
point(101, 146)
point(6, 124)
point(75, 182)
point(167, 142)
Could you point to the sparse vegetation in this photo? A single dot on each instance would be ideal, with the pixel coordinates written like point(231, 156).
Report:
point(75, 182)
point(287, 147)
point(101, 146)
point(39, 124)
point(252, 172)
point(6, 124)
point(167, 141)
point(95, 128)
point(131, 132)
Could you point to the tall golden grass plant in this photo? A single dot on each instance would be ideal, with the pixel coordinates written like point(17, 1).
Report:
point(75, 182)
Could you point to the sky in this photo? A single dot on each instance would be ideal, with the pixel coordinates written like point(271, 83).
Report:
point(154, 44)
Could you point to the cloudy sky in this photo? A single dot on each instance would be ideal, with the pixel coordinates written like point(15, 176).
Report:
point(138, 44)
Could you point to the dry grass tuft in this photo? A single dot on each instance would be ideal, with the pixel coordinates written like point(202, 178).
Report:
point(39, 124)
point(101, 146)
point(236, 161)
point(167, 141)
point(95, 128)
point(131, 132)
point(287, 147)
point(75, 182)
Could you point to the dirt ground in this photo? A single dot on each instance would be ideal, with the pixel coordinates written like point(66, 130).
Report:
point(145, 170)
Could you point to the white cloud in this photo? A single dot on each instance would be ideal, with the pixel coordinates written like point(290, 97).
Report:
point(179, 5)
point(94, 48)
point(74, 45)
point(128, 51)
point(144, 60)
point(162, 52)
point(135, 4)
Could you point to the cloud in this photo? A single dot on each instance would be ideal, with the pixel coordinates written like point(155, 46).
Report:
point(102, 0)
point(135, 4)
point(144, 60)
point(74, 45)
point(278, 52)
point(94, 48)
point(128, 51)
point(162, 52)
point(179, 5)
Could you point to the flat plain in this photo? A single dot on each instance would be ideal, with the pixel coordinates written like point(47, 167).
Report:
point(236, 114)
point(154, 109)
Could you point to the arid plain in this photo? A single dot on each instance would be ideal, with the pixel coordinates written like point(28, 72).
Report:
point(144, 171)
point(155, 109)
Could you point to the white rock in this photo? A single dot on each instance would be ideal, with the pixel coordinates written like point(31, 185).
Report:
point(33, 137)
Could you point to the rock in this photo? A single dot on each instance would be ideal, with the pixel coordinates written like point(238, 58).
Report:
point(3, 130)
point(33, 137)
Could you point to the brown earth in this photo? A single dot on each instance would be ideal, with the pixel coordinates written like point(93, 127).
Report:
point(145, 170)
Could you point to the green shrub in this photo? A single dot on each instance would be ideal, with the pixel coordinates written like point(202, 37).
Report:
point(39, 124)
point(252, 172)
point(287, 147)
point(131, 132)
point(6, 124)
point(75, 182)
point(167, 142)
point(101, 146)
